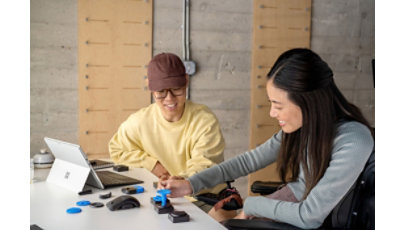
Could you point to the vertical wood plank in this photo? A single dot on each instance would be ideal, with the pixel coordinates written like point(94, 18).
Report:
point(278, 25)
point(114, 48)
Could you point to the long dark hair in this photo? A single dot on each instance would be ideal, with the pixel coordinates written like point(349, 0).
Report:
point(309, 83)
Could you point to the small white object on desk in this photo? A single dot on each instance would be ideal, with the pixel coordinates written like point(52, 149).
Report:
point(43, 159)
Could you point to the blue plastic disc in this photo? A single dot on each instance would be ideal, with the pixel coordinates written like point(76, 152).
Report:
point(83, 203)
point(73, 210)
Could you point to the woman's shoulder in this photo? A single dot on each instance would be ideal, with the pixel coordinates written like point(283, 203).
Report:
point(352, 127)
point(353, 132)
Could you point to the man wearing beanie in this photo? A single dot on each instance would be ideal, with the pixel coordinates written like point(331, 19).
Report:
point(173, 136)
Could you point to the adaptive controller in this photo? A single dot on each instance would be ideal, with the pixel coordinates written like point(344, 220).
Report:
point(133, 189)
point(161, 203)
point(105, 196)
point(178, 216)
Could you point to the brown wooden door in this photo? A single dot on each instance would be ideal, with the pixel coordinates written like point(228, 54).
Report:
point(278, 25)
point(114, 48)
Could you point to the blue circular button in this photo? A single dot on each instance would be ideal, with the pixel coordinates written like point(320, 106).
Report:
point(73, 210)
point(83, 203)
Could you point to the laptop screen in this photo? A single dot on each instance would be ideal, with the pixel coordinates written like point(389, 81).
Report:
point(67, 152)
point(71, 167)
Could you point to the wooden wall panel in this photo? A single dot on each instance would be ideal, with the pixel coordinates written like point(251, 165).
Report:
point(114, 48)
point(278, 25)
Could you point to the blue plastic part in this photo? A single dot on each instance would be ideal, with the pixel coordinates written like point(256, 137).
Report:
point(163, 193)
point(73, 210)
point(157, 198)
point(139, 188)
point(83, 203)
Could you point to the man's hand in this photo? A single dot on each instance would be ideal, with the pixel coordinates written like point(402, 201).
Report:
point(160, 171)
point(243, 216)
point(178, 185)
point(166, 177)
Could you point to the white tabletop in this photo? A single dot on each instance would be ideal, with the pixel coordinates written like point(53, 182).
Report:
point(49, 203)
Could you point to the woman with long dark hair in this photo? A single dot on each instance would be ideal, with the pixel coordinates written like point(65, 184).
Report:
point(323, 144)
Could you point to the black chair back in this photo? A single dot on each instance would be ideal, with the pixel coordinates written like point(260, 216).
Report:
point(357, 209)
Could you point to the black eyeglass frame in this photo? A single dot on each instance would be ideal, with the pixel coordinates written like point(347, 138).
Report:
point(163, 93)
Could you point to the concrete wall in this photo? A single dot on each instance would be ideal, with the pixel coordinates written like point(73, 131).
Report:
point(54, 95)
point(342, 33)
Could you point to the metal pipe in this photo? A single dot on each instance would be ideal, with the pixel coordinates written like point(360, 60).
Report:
point(184, 31)
point(185, 39)
point(187, 29)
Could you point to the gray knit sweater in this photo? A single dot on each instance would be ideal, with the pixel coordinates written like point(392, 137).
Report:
point(351, 148)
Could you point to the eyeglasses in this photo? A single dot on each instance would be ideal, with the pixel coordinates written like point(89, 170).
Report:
point(163, 93)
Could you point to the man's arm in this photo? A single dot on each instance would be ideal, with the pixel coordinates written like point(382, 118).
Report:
point(160, 171)
point(125, 148)
point(136, 157)
point(208, 149)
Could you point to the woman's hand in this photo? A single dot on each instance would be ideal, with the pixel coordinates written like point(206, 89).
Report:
point(178, 185)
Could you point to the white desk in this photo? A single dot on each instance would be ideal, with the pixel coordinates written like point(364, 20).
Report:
point(49, 203)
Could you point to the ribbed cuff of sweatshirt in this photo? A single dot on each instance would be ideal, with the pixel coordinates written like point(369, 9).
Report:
point(194, 186)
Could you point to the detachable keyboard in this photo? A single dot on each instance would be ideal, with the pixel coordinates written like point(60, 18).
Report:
point(100, 164)
point(110, 179)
